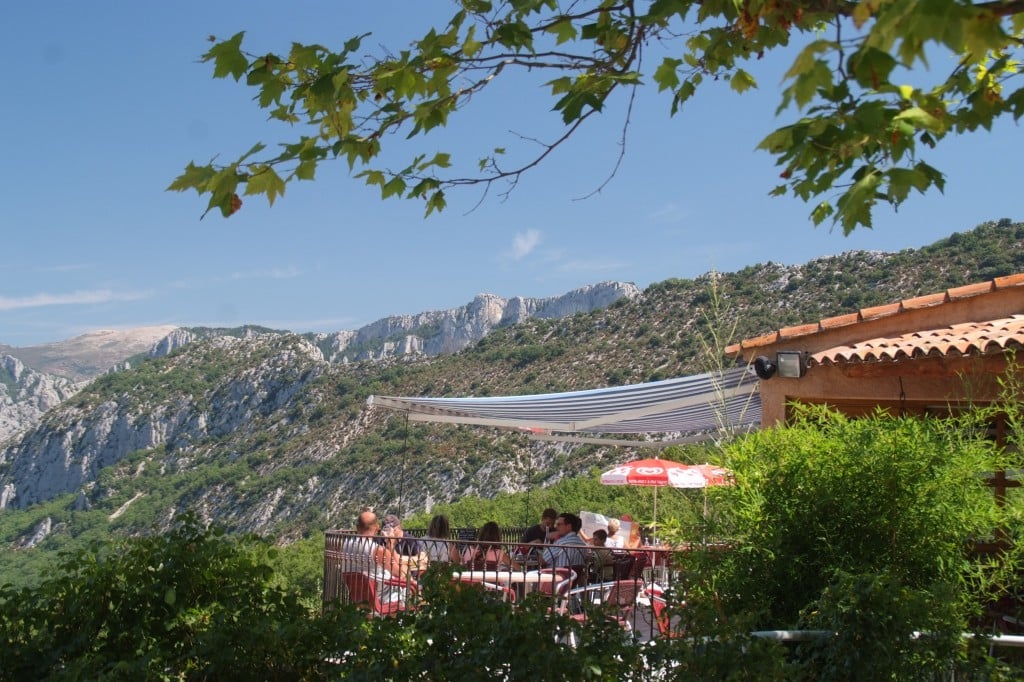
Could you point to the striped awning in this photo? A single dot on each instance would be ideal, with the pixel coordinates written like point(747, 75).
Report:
point(700, 404)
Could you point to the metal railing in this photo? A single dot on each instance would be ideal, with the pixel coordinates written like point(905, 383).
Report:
point(572, 578)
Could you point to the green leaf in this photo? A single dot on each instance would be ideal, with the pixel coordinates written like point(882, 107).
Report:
point(871, 67)
point(932, 174)
point(436, 202)
point(741, 81)
point(666, 75)
point(441, 160)
point(901, 181)
point(352, 44)
point(685, 92)
point(515, 34)
point(195, 177)
point(471, 46)
point(306, 170)
point(373, 177)
point(807, 84)
point(170, 596)
point(228, 58)
point(922, 119)
point(808, 57)
point(393, 187)
point(271, 91)
point(265, 180)
point(821, 211)
point(778, 141)
point(855, 204)
point(255, 149)
point(305, 56)
point(564, 30)
point(560, 85)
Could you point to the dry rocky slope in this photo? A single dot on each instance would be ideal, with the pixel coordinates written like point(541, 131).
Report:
point(269, 432)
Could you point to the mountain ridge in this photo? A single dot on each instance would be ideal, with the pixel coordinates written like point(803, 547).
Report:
point(72, 363)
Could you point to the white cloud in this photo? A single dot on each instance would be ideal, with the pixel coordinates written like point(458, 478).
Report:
point(73, 298)
point(524, 243)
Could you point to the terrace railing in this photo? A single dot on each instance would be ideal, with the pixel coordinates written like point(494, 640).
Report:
point(566, 578)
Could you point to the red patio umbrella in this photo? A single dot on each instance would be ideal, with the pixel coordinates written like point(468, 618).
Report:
point(662, 473)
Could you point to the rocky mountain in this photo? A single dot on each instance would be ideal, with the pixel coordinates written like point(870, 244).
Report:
point(443, 332)
point(54, 371)
point(89, 355)
point(269, 432)
point(26, 394)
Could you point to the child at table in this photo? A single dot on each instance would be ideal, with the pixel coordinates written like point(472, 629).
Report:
point(488, 557)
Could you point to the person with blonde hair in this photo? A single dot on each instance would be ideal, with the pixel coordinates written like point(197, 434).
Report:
point(614, 541)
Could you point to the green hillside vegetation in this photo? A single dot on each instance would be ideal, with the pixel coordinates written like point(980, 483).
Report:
point(303, 454)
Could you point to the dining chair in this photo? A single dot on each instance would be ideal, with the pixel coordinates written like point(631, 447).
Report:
point(366, 591)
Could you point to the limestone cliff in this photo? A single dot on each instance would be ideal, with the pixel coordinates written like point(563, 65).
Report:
point(247, 380)
point(442, 332)
point(26, 394)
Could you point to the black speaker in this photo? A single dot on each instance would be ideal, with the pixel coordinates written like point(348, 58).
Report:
point(764, 368)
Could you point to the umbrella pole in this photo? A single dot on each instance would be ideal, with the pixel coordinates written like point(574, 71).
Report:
point(654, 522)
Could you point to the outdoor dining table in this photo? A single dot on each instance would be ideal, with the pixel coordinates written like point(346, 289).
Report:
point(531, 580)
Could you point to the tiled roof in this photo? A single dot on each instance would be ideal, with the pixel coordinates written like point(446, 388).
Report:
point(876, 312)
point(958, 339)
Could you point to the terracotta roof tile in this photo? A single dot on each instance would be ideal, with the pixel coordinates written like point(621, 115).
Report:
point(1009, 281)
point(926, 301)
point(876, 312)
point(763, 340)
point(798, 330)
point(879, 311)
point(969, 290)
point(968, 338)
point(840, 321)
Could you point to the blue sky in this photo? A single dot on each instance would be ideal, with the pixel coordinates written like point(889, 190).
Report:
point(106, 102)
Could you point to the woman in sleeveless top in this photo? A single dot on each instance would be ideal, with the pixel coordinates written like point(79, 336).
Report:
point(440, 529)
point(488, 557)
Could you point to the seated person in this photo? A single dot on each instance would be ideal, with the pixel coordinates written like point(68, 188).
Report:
point(602, 559)
point(614, 541)
point(395, 538)
point(543, 531)
point(440, 529)
point(568, 548)
point(374, 559)
point(634, 541)
point(488, 557)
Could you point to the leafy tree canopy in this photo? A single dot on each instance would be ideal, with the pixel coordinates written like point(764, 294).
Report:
point(859, 128)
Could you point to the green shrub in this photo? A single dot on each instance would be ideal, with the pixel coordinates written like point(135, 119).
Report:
point(190, 604)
